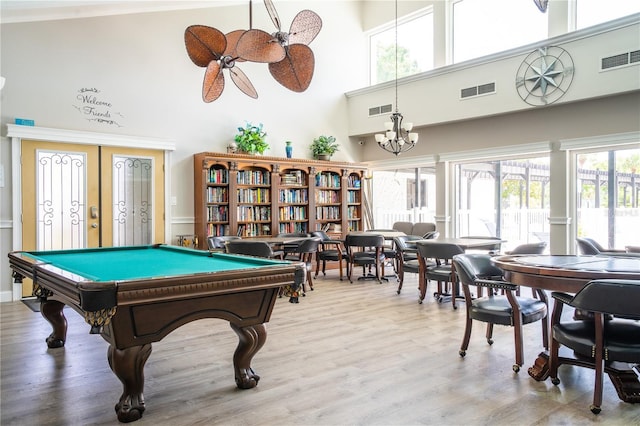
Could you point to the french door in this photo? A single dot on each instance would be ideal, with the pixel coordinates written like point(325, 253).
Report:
point(79, 196)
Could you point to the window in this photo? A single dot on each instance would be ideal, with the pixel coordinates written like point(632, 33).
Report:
point(592, 12)
point(405, 195)
point(482, 27)
point(608, 187)
point(415, 47)
point(508, 198)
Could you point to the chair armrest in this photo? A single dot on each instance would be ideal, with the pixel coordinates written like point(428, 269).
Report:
point(501, 285)
point(562, 297)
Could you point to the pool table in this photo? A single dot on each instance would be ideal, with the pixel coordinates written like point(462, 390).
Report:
point(134, 296)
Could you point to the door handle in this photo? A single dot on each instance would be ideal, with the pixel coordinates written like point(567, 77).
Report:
point(94, 212)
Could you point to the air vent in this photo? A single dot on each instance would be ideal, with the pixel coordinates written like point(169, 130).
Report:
point(382, 109)
point(620, 60)
point(483, 89)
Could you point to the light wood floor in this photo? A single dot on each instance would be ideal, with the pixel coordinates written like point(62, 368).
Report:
point(356, 354)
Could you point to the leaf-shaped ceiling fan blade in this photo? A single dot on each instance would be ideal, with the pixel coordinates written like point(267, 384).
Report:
point(204, 44)
point(295, 71)
point(232, 43)
point(271, 9)
point(242, 82)
point(305, 27)
point(213, 84)
point(259, 46)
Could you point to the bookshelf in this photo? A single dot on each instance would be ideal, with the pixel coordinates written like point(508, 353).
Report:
point(247, 195)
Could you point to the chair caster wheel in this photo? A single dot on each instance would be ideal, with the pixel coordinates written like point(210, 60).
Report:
point(555, 381)
point(595, 409)
point(490, 341)
point(462, 353)
point(516, 368)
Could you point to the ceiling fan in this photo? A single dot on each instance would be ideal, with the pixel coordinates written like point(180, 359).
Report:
point(210, 48)
point(291, 61)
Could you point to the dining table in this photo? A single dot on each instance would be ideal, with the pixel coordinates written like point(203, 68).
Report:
point(569, 274)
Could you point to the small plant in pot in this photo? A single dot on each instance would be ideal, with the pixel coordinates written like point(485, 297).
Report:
point(323, 147)
point(251, 139)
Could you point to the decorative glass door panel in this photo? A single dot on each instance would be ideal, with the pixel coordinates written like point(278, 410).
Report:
point(132, 201)
point(61, 200)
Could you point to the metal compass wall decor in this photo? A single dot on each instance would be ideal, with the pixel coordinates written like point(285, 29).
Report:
point(545, 75)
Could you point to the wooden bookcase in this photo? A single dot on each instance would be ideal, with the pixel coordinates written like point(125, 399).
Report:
point(247, 195)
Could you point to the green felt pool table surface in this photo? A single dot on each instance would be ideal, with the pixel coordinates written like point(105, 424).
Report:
point(144, 262)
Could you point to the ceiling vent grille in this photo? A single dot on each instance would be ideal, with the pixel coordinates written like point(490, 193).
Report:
point(620, 60)
point(382, 109)
point(482, 89)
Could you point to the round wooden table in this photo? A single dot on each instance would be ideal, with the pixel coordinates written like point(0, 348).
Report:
point(569, 274)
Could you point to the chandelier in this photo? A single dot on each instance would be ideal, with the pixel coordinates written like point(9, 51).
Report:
point(398, 137)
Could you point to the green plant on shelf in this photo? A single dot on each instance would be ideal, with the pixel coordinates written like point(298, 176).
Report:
point(251, 139)
point(323, 147)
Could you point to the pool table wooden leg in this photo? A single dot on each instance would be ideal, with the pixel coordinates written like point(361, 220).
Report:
point(128, 365)
point(51, 310)
point(251, 339)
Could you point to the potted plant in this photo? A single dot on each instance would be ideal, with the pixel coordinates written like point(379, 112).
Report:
point(323, 147)
point(251, 139)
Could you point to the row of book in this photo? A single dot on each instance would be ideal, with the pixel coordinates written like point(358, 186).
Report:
point(217, 229)
point(294, 177)
point(253, 230)
point(328, 212)
point(217, 213)
point(328, 180)
point(254, 177)
point(293, 213)
point(254, 195)
point(218, 175)
point(326, 197)
point(217, 195)
point(294, 196)
point(254, 213)
point(293, 227)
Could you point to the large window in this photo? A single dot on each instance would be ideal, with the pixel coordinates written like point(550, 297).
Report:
point(608, 187)
point(415, 48)
point(592, 12)
point(482, 27)
point(508, 199)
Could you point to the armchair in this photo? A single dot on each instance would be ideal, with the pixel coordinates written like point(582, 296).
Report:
point(330, 250)
point(612, 335)
point(364, 250)
point(510, 310)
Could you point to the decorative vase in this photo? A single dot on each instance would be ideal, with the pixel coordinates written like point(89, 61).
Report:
point(289, 149)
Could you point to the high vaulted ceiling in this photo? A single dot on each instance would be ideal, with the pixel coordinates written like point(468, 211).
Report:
point(12, 11)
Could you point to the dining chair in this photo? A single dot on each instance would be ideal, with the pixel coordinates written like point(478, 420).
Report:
point(389, 249)
point(290, 246)
point(612, 334)
point(475, 269)
point(435, 260)
point(588, 245)
point(253, 248)
point(218, 243)
point(330, 250)
point(304, 251)
point(529, 248)
point(407, 257)
point(365, 250)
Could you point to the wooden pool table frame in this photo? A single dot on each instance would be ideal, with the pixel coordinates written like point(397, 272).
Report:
point(130, 315)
